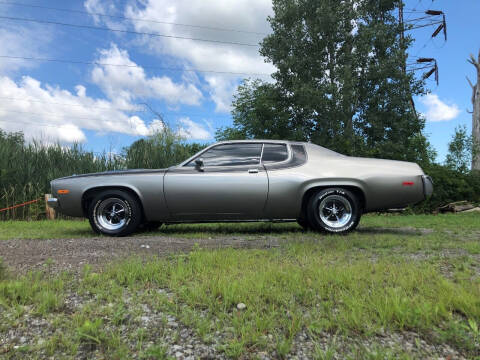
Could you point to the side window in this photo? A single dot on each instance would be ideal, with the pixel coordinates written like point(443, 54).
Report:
point(231, 155)
point(273, 153)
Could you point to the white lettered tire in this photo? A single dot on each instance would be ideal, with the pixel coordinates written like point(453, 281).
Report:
point(334, 210)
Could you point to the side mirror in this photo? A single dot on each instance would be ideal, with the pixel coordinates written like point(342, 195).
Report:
point(199, 164)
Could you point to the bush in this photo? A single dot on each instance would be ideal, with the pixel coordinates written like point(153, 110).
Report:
point(449, 186)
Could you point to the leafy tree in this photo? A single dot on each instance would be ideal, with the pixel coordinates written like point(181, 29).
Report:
point(339, 81)
point(160, 150)
point(460, 150)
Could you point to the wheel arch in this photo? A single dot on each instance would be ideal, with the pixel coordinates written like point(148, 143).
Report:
point(314, 188)
point(89, 194)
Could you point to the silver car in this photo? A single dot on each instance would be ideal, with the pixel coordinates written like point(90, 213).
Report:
point(259, 180)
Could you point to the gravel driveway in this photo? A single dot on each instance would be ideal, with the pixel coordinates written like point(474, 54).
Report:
point(72, 254)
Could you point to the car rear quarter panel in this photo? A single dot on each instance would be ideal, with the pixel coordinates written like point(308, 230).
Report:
point(381, 181)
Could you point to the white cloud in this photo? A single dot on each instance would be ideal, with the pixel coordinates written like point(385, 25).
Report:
point(437, 110)
point(249, 15)
point(221, 89)
point(20, 41)
point(103, 7)
point(128, 83)
point(192, 130)
point(58, 114)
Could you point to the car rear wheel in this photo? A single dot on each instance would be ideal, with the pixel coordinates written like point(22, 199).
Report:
point(334, 210)
point(114, 213)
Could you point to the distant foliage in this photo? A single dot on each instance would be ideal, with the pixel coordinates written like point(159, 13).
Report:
point(160, 150)
point(450, 185)
point(460, 150)
point(26, 169)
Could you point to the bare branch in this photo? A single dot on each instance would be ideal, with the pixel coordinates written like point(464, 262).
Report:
point(473, 87)
point(468, 111)
point(474, 61)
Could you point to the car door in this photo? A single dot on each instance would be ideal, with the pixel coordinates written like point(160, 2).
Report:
point(231, 185)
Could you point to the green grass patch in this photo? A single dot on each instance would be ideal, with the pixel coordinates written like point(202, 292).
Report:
point(67, 229)
point(301, 286)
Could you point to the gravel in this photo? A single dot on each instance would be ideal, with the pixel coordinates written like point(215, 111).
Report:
point(73, 254)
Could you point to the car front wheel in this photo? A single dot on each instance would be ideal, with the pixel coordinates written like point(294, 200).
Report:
point(334, 210)
point(114, 213)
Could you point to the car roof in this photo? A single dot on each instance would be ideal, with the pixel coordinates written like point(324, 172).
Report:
point(260, 141)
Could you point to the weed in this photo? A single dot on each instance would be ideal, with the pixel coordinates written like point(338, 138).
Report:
point(90, 332)
point(3, 270)
point(155, 352)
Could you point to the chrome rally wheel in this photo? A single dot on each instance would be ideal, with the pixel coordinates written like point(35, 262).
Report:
point(334, 210)
point(114, 213)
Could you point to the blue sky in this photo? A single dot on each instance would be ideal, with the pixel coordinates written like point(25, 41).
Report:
point(453, 89)
point(101, 105)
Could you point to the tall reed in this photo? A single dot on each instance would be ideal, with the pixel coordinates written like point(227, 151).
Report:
point(26, 169)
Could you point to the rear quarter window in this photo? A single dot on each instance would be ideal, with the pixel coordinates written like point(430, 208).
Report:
point(273, 153)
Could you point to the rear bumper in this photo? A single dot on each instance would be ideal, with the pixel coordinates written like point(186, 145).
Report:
point(427, 186)
point(52, 202)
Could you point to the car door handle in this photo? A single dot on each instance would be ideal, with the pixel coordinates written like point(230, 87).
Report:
point(253, 171)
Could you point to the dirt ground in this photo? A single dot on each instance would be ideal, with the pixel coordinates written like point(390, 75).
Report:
point(24, 255)
point(71, 254)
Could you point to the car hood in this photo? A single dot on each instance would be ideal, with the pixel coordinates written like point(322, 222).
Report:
point(116, 172)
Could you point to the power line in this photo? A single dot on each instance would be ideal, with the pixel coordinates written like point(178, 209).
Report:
point(31, 123)
point(50, 114)
point(130, 18)
point(96, 119)
point(91, 27)
point(82, 62)
point(414, 10)
point(424, 25)
point(71, 104)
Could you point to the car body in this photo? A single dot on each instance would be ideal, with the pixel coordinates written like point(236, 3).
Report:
point(248, 180)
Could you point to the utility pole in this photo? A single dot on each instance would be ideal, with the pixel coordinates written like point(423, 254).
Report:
point(402, 33)
point(475, 114)
point(430, 64)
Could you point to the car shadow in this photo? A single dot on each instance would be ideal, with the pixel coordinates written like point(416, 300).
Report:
point(229, 229)
point(394, 231)
point(269, 229)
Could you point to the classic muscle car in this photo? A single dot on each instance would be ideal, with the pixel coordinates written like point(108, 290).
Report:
point(254, 180)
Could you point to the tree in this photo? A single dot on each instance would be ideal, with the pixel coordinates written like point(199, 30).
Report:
point(339, 81)
point(460, 150)
point(259, 112)
point(476, 113)
point(160, 150)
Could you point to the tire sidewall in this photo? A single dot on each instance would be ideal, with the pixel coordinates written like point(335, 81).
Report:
point(133, 209)
point(314, 215)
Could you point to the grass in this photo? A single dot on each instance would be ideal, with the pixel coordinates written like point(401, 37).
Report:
point(67, 229)
point(349, 289)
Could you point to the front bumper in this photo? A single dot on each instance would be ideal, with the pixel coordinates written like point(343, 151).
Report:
point(52, 202)
point(427, 186)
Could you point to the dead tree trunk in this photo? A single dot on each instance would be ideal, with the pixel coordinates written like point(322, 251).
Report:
point(476, 114)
